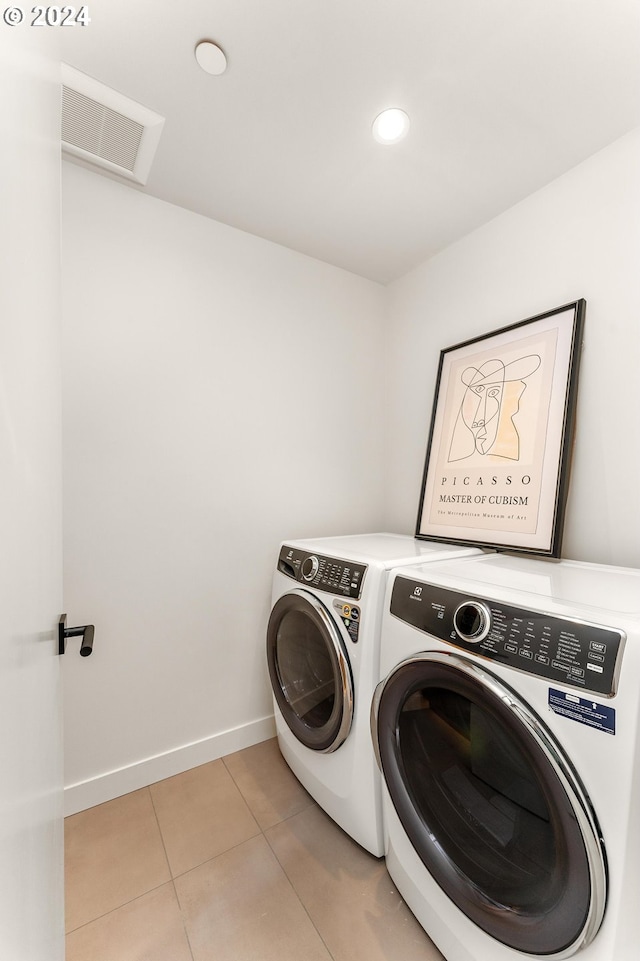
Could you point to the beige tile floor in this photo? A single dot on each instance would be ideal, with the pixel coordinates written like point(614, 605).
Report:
point(231, 861)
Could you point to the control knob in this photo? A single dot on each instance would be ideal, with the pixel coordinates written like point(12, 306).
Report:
point(310, 567)
point(472, 621)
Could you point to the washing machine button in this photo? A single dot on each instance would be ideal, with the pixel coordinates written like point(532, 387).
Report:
point(310, 567)
point(472, 621)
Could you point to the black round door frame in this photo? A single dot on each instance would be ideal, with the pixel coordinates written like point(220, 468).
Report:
point(561, 766)
point(329, 737)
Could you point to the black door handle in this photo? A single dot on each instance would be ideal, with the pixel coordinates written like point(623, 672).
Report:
point(86, 632)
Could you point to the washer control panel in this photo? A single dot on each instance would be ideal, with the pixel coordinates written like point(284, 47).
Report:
point(563, 650)
point(330, 574)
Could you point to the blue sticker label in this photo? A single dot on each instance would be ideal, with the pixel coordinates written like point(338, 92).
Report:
point(581, 709)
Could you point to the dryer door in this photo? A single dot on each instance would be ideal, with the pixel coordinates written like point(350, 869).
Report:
point(491, 804)
point(309, 671)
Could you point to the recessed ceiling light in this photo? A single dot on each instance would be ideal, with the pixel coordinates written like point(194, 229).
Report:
point(211, 58)
point(390, 126)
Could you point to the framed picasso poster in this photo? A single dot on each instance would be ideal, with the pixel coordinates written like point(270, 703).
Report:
point(498, 455)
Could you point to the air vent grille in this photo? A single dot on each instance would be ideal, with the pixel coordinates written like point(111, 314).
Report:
point(102, 127)
point(99, 130)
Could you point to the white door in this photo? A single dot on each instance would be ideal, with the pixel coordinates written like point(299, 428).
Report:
point(31, 852)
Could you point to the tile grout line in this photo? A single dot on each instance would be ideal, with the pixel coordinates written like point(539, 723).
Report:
point(280, 865)
point(118, 907)
point(293, 887)
point(143, 894)
point(173, 881)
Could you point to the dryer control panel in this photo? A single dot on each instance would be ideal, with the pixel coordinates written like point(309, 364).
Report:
point(330, 574)
point(562, 650)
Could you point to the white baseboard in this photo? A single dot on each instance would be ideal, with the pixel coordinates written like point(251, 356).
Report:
point(113, 784)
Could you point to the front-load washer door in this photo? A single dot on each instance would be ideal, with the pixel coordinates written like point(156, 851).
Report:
point(491, 804)
point(309, 670)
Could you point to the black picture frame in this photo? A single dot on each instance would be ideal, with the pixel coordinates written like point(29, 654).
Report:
point(502, 428)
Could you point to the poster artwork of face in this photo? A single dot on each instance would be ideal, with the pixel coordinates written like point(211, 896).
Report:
point(485, 422)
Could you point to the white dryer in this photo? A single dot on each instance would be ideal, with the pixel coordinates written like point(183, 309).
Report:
point(507, 730)
point(323, 647)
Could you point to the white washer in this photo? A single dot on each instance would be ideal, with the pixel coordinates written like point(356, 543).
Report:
point(323, 647)
point(507, 729)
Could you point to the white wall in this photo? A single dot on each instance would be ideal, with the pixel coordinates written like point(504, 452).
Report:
point(578, 237)
point(221, 393)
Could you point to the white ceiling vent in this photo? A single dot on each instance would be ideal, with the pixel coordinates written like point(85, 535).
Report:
point(105, 129)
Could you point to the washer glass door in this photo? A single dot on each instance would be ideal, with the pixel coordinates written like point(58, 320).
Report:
point(309, 671)
point(491, 804)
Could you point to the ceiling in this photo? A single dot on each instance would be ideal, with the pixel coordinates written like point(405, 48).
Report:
point(504, 96)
